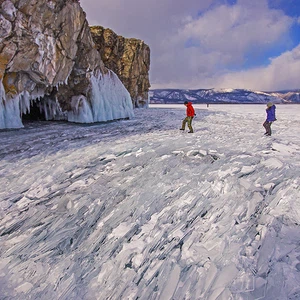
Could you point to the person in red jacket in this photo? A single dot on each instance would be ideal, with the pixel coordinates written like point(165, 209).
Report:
point(190, 113)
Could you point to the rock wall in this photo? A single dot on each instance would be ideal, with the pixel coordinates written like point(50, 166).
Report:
point(129, 58)
point(47, 56)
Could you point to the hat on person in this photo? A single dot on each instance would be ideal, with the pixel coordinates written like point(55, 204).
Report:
point(185, 102)
point(269, 104)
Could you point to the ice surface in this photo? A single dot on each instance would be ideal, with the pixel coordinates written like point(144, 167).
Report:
point(135, 209)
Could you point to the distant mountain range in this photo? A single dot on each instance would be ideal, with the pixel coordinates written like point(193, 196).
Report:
point(173, 96)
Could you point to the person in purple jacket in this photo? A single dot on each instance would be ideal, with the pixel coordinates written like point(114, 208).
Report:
point(271, 108)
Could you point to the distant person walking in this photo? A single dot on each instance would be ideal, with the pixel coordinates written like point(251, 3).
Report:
point(271, 117)
point(190, 113)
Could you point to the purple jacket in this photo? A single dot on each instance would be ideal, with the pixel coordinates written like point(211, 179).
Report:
point(271, 113)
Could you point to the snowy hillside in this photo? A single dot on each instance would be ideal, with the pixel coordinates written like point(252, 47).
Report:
point(137, 209)
point(211, 96)
point(288, 96)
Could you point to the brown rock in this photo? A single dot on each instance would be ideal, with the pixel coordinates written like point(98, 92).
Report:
point(129, 58)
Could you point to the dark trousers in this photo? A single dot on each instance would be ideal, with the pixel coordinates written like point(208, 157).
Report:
point(267, 125)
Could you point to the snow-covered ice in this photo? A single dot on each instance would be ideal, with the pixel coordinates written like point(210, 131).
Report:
point(136, 209)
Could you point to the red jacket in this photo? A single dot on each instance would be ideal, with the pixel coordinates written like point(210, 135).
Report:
point(190, 112)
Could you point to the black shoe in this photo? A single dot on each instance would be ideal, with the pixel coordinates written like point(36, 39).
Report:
point(191, 132)
point(181, 129)
point(267, 133)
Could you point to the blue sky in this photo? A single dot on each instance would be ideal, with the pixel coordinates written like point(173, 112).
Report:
point(252, 44)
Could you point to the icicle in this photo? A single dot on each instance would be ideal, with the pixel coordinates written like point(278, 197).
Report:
point(50, 108)
point(24, 103)
point(81, 110)
point(67, 78)
point(2, 100)
point(10, 116)
point(110, 100)
point(45, 111)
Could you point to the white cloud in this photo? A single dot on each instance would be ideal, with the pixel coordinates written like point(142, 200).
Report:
point(220, 38)
point(234, 30)
point(282, 73)
point(144, 19)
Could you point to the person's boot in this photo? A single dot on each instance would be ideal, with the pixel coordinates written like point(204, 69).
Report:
point(181, 129)
point(191, 132)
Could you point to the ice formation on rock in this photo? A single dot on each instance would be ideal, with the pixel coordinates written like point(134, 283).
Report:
point(50, 67)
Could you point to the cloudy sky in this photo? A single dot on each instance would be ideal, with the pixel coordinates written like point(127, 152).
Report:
point(252, 44)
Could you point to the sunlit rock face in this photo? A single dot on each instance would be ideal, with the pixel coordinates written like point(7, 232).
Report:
point(129, 58)
point(47, 56)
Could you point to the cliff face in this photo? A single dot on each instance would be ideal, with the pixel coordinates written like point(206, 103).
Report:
point(48, 57)
point(128, 58)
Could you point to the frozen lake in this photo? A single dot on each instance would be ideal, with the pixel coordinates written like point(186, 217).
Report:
point(136, 209)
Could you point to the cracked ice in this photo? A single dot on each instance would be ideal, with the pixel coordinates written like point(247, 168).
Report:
point(135, 209)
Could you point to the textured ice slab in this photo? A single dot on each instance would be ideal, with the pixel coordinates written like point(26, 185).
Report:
point(138, 210)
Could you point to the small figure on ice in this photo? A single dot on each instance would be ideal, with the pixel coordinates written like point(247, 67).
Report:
point(271, 108)
point(190, 113)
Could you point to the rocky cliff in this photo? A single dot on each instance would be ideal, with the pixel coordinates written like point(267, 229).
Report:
point(48, 61)
point(129, 58)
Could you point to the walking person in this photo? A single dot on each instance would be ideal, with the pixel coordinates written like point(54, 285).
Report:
point(190, 113)
point(271, 117)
